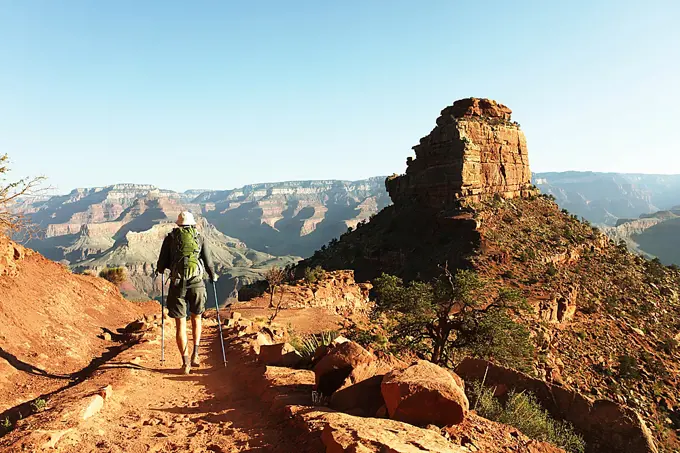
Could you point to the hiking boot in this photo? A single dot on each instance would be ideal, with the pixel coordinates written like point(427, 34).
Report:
point(195, 360)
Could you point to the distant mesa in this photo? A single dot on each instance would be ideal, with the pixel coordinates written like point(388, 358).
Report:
point(475, 152)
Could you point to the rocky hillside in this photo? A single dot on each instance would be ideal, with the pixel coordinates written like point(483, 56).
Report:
point(52, 324)
point(603, 322)
point(604, 198)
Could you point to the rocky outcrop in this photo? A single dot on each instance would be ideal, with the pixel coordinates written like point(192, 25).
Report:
point(335, 291)
point(287, 390)
point(345, 433)
point(609, 426)
point(560, 308)
point(10, 255)
point(475, 152)
point(423, 394)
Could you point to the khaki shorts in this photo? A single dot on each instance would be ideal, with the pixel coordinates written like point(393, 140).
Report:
point(177, 302)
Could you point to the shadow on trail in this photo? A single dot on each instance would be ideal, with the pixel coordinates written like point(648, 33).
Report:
point(28, 368)
point(230, 406)
point(135, 366)
point(27, 408)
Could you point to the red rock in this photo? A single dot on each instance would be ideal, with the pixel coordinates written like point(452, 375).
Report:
point(361, 393)
point(424, 394)
point(261, 339)
point(281, 354)
point(474, 153)
point(346, 433)
point(363, 398)
point(332, 370)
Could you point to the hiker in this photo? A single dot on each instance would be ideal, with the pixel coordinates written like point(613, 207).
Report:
point(187, 255)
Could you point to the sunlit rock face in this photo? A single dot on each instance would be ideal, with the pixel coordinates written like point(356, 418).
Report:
point(474, 152)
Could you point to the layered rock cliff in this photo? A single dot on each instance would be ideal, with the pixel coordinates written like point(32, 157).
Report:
point(475, 152)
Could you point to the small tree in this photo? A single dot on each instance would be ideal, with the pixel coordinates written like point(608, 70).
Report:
point(10, 221)
point(452, 312)
point(274, 276)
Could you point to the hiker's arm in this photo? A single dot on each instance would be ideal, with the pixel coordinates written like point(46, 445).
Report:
point(206, 256)
point(164, 257)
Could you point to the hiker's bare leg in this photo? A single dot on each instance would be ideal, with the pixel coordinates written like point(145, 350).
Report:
point(196, 329)
point(181, 336)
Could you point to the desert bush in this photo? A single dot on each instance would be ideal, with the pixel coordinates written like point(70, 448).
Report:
point(314, 274)
point(89, 272)
point(655, 270)
point(115, 275)
point(628, 367)
point(421, 318)
point(525, 413)
point(551, 270)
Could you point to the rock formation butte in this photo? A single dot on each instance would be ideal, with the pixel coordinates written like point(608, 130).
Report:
point(473, 153)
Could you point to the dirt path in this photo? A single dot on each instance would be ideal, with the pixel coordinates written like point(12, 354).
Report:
point(161, 410)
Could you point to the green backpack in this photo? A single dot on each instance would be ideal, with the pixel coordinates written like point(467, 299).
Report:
point(187, 265)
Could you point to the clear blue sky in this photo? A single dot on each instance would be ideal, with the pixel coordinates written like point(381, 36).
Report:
point(217, 94)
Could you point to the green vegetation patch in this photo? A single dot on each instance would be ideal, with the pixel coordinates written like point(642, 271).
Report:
point(525, 413)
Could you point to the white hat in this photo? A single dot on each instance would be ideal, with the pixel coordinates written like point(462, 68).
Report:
point(185, 218)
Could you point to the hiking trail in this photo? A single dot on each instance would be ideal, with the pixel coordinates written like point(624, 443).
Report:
point(157, 409)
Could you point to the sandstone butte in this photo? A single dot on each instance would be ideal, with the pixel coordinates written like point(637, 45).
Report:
point(474, 152)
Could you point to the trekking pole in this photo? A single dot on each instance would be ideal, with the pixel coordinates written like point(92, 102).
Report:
point(219, 323)
point(163, 319)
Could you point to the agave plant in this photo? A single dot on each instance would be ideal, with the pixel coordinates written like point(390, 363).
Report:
point(311, 343)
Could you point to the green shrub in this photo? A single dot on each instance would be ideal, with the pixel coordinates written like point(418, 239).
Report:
point(89, 272)
point(525, 413)
point(6, 426)
point(508, 274)
point(38, 405)
point(115, 275)
point(314, 274)
point(628, 367)
point(500, 338)
point(551, 270)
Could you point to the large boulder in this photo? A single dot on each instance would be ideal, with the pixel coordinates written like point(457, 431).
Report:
point(332, 370)
point(360, 394)
point(346, 433)
point(424, 394)
point(280, 354)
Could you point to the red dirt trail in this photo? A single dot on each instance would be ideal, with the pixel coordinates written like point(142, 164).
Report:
point(156, 409)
